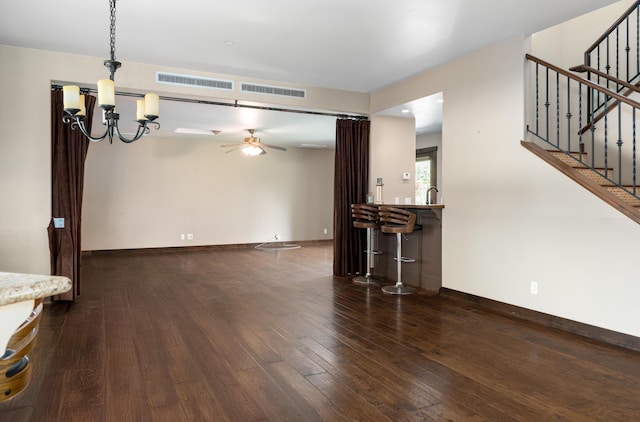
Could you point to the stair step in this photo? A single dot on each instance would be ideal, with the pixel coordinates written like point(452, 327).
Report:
point(570, 160)
point(624, 195)
point(593, 176)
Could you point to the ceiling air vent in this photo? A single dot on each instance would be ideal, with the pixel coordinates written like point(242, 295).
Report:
point(193, 81)
point(273, 90)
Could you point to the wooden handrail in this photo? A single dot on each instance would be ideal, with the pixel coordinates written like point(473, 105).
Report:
point(586, 82)
point(584, 68)
point(630, 89)
point(609, 31)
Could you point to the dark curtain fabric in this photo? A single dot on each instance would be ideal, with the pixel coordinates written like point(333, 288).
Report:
point(68, 153)
point(350, 187)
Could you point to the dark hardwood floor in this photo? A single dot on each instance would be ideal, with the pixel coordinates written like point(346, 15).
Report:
point(250, 335)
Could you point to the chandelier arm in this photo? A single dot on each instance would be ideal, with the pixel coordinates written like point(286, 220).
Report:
point(142, 129)
point(78, 122)
point(116, 130)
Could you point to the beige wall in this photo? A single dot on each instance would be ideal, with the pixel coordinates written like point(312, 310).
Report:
point(25, 79)
point(393, 152)
point(511, 219)
point(433, 139)
point(147, 194)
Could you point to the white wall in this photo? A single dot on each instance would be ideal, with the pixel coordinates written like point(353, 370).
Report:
point(510, 218)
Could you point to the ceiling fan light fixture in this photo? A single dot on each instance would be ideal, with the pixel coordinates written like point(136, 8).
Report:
point(253, 150)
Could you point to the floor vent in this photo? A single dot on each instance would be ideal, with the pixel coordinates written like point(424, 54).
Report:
point(194, 81)
point(273, 90)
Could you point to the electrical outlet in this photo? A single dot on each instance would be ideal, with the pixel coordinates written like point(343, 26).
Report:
point(324, 231)
point(183, 236)
point(190, 236)
point(534, 288)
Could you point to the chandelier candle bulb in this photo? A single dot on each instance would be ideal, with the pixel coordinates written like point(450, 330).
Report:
point(151, 106)
point(83, 109)
point(71, 97)
point(140, 110)
point(106, 93)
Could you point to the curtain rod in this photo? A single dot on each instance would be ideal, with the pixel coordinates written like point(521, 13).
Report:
point(234, 104)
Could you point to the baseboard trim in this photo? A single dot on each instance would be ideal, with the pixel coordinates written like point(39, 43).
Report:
point(585, 330)
point(200, 248)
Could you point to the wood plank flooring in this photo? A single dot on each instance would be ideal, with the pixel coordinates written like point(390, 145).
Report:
point(250, 335)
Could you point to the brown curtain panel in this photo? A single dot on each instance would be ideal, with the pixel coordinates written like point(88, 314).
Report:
point(350, 187)
point(68, 153)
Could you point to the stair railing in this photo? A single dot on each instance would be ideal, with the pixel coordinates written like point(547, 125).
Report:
point(561, 111)
point(616, 53)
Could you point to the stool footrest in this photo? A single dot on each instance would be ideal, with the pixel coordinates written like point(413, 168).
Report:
point(405, 259)
point(399, 289)
point(366, 280)
point(373, 252)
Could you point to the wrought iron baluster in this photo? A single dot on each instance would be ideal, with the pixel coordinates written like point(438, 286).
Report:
point(593, 132)
point(547, 104)
point(617, 58)
point(606, 136)
point(537, 98)
point(557, 109)
point(619, 142)
point(633, 138)
point(627, 49)
point(568, 114)
point(608, 67)
point(580, 144)
point(598, 78)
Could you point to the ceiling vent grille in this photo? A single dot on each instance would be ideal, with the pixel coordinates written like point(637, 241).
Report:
point(273, 90)
point(193, 81)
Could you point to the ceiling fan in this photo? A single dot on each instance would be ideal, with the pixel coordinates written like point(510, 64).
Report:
point(252, 145)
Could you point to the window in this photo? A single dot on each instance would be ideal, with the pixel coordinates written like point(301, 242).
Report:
point(426, 170)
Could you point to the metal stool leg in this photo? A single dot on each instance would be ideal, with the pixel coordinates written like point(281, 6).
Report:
point(368, 279)
point(399, 288)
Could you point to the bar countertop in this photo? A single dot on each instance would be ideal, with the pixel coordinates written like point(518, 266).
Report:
point(17, 287)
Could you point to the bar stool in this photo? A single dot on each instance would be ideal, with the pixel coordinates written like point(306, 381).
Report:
point(366, 217)
point(15, 364)
point(398, 221)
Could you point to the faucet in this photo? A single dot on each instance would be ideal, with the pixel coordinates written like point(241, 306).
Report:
point(431, 199)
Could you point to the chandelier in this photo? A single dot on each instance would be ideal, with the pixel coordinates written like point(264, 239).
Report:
point(74, 105)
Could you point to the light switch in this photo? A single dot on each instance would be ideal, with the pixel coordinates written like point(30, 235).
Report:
point(406, 176)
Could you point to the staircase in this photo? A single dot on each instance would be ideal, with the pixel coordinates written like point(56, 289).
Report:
point(586, 126)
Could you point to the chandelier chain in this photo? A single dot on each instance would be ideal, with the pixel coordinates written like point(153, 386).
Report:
point(112, 28)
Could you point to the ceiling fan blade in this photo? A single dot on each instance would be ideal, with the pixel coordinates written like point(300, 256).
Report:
point(231, 150)
point(273, 146)
point(231, 145)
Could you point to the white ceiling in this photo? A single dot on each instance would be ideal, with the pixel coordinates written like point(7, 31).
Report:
point(357, 45)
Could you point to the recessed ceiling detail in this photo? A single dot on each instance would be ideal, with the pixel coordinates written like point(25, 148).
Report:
point(195, 81)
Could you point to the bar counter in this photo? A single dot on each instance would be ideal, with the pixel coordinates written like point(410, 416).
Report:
point(17, 294)
point(424, 245)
